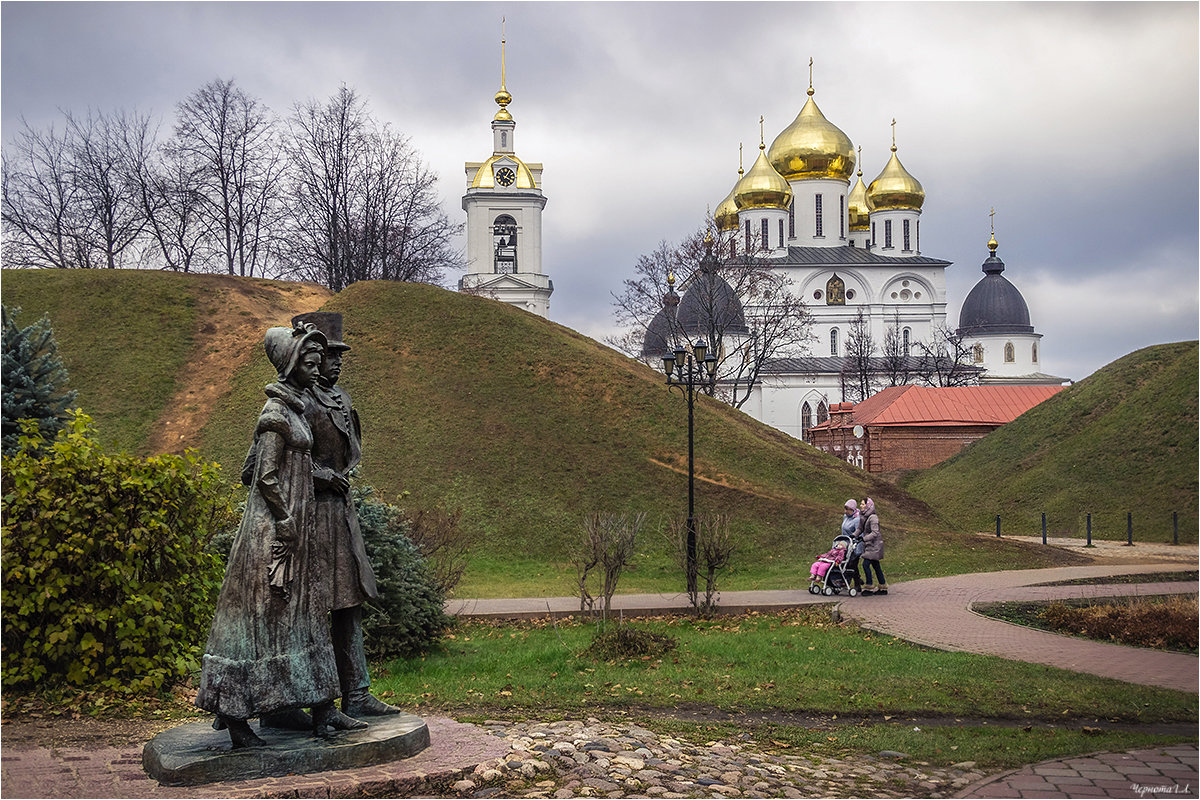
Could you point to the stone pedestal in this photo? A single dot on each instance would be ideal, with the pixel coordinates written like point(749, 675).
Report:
point(195, 753)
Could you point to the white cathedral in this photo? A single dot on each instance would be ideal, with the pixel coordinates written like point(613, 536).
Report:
point(843, 249)
point(846, 249)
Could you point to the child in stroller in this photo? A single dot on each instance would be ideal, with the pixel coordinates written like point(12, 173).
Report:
point(835, 570)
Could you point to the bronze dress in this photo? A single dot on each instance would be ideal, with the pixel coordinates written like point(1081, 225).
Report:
point(269, 647)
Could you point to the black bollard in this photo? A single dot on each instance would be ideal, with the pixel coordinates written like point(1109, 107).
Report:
point(1043, 527)
point(1175, 520)
point(1089, 524)
point(1129, 529)
point(997, 526)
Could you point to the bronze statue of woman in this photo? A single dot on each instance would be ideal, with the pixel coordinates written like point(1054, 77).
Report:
point(269, 649)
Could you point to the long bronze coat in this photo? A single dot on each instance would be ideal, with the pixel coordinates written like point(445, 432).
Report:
point(270, 647)
point(337, 445)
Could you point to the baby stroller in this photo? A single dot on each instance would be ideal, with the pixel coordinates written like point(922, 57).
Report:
point(840, 576)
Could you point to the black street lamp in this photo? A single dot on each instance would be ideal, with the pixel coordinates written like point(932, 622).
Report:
point(689, 372)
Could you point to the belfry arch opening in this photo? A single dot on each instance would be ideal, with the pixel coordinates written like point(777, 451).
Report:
point(504, 243)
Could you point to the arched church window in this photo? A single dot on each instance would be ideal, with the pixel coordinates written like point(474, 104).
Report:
point(907, 333)
point(1010, 353)
point(504, 243)
point(1035, 353)
point(792, 219)
point(874, 236)
point(504, 139)
point(819, 226)
point(906, 237)
point(918, 236)
point(835, 291)
point(805, 418)
point(887, 233)
point(822, 412)
point(978, 353)
point(749, 246)
point(766, 231)
point(842, 217)
point(781, 233)
point(833, 342)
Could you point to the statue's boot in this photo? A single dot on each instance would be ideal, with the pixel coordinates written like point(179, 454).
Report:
point(241, 735)
point(327, 719)
point(290, 719)
point(361, 703)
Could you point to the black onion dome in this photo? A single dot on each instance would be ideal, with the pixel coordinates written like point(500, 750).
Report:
point(711, 304)
point(657, 341)
point(994, 305)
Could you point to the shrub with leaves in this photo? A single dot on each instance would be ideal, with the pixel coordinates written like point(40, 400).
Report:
point(408, 617)
point(106, 580)
point(34, 379)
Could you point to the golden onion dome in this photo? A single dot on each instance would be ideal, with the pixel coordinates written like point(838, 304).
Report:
point(895, 188)
point(812, 147)
point(859, 206)
point(726, 215)
point(762, 186)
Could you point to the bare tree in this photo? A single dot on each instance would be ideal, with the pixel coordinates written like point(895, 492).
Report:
point(858, 374)
point(69, 199)
point(228, 140)
point(946, 360)
point(715, 548)
point(172, 193)
point(897, 363)
point(445, 544)
point(744, 310)
point(363, 206)
point(607, 545)
point(41, 214)
point(102, 170)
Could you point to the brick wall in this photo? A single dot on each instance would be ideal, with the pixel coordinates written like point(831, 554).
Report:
point(886, 448)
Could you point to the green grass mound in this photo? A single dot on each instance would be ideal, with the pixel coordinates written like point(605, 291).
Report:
point(528, 427)
point(1122, 440)
point(122, 335)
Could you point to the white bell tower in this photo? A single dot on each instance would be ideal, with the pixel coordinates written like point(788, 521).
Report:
point(504, 203)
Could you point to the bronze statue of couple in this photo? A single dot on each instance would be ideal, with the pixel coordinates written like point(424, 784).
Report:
point(287, 632)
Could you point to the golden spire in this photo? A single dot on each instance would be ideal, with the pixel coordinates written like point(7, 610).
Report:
point(992, 243)
point(762, 142)
point(893, 134)
point(503, 98)
point(860, 161)
point(741, 170)
point(810, 84)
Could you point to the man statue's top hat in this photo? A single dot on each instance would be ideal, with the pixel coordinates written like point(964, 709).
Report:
point(328, 323)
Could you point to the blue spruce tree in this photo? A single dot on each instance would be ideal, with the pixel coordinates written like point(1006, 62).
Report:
point(34, 379)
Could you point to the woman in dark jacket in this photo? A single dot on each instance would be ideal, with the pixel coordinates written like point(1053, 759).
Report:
point(872, 546)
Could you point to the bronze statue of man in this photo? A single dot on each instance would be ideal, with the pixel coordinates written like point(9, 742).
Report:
point(337, 449)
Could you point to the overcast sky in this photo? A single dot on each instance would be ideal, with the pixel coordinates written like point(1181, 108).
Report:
point(1076, 121)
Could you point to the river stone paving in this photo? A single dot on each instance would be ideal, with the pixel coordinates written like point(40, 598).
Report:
point(605, 759)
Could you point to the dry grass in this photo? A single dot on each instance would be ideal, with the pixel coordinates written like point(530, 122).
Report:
point(1168, 624)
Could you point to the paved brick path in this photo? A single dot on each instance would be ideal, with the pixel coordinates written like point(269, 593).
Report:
point(1166, 772)
point(455, 749)
point(936, 612)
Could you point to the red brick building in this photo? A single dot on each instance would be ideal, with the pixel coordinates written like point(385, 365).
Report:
point(914, 427)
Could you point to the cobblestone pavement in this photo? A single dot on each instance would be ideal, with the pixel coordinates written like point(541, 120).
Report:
point(602, 759)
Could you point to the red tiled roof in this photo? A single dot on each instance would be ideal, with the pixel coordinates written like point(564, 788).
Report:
point(965, 405)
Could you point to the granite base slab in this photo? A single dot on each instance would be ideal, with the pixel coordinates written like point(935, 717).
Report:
point(195, 753)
